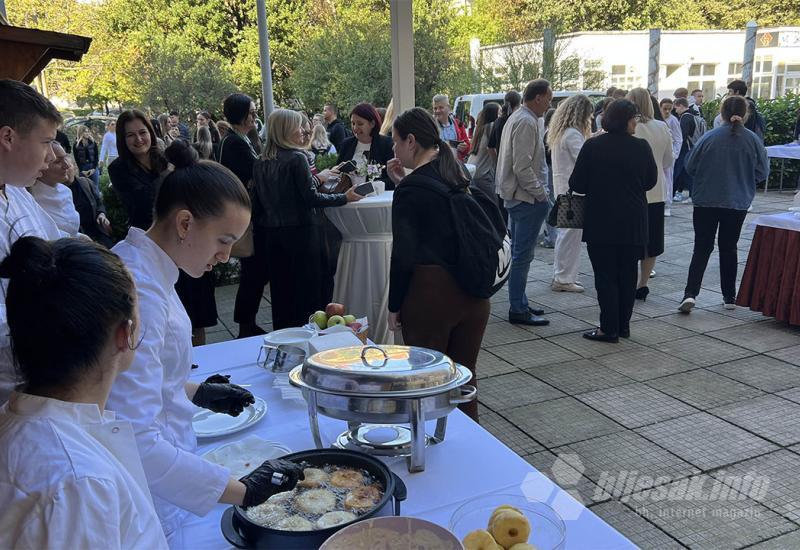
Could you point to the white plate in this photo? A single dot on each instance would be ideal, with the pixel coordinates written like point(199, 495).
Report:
point(209, 424)
point(242, 457)
point(296, 337)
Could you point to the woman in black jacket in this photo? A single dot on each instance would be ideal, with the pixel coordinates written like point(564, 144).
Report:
point(366, 142)
point(87, 156)
point(286, 226)
point(614, 171)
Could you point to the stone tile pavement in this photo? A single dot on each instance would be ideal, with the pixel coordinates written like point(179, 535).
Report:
point(686, 435)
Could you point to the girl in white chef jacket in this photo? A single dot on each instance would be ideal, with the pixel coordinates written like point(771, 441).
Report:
point(201, 210)
point(70, 474)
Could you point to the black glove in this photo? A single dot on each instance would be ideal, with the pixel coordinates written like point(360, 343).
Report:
point(261, 485)
point(219, 395)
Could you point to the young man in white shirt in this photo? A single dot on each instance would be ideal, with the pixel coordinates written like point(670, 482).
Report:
point(108, 149)
point(55, 197)
point(674, 126)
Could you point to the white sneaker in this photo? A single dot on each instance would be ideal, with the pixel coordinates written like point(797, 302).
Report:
point(667, 213)
point(652, 273)
point(750, 208)
point(566, 287)
point(687, 305)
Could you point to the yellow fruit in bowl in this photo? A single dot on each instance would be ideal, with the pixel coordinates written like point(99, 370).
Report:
point(523, 546)
point(510, 527)
point(499, 509)
point(480, 539)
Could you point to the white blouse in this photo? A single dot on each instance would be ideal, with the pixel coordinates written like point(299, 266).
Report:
point(564, 155)
point(70, 477)
point(151, 393)
point(657, 134)
point(56, 200)
point(20, 216)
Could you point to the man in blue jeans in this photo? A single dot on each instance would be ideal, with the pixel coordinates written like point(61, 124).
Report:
point(521, 182)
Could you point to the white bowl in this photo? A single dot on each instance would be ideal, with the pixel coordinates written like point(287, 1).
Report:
point(393, 532)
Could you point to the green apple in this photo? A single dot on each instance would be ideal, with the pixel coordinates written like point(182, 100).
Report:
point(320, 319)
point(335, 320)
point(348, 319)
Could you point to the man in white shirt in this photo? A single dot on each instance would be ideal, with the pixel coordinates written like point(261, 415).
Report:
point(108, 149)
point(55, 197)
point(521, 181)
point(28, 123)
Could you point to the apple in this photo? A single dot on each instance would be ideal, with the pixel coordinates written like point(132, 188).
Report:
point(355, 327)
point(335, 320)
point(334, 309)
point(349, 319)
point(320, 319)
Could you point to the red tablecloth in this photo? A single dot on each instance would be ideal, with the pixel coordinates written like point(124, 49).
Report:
point(771, 282)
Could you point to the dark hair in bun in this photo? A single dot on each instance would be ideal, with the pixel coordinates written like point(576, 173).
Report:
point(64, 299)
point(617, 115)
point(202, 187)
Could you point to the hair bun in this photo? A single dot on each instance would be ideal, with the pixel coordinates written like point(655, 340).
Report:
point(30, 258)
point(181, 154)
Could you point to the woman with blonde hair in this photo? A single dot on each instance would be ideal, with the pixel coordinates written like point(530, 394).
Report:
point(656, 133)
point(570, 127)
point(320, 144)
point(204, 144)
point(388, 119)
point(286, 222)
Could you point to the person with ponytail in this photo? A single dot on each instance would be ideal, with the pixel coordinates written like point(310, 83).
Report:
point(725, 165)
point(201, 210)
point(70, 473)
point(425, 301)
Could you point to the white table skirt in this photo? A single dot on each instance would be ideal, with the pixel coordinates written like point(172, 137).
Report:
point(362, 272)
point(469, 463)
point(786, 220)
point(788, 151)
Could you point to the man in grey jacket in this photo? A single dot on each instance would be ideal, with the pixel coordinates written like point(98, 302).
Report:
point(521, 182)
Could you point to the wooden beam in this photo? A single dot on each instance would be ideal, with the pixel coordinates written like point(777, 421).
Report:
point(24, 53)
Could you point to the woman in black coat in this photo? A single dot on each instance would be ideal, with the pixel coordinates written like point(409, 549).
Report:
point(286, 226)
point(366, 142)
point(87, 156)
point(614, 171)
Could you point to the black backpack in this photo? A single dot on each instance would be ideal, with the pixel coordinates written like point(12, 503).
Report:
point(483, 255)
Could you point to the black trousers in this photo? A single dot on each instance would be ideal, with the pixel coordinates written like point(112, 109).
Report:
point(253, 278)
point(295, 259)
point(706, 221)
point(616, 271)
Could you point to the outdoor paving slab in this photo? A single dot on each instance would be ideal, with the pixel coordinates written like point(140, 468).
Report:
point(634, 527)
point(703, 350)
point(514, 390)
point(706, 441)
point(561, 301)
point(711, 524)
point(655, 306)
point(616, 461)
point(497, 334)
point(511, 436)
point(561, 421)
point(741, 313)
point(584, 347)
point(645, 364)
point(763, 372)
point(635, 405)
point(654, 331)
point(704, 389)
point(782, 483)
point(707, 298)
point(699, 320)
point(491, 365)
point(790, 355)
point(760, 337)
point(579, 376)
point(566, 477)
point(769, 416)
point(783, 542)
point(218, 336)
point(533, 353)
point(792, 394)
point(591, 314)
point(560, 323)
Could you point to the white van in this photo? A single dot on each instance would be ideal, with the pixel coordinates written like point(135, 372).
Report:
point(467, 107)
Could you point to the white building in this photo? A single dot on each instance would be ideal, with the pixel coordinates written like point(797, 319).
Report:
point(707, 60)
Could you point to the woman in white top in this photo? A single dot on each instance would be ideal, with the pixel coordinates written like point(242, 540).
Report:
point(570, 127)
point(201, 210)
point(70, 473)
point(657, 135)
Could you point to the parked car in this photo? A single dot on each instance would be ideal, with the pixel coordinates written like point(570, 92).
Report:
point(95, 123)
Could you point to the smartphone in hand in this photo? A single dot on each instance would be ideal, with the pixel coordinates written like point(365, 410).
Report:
point(365, 189)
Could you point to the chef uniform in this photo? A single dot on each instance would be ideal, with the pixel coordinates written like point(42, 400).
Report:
point(56, 200)
point(70, 477)
point(151, 394)
point(20, 216)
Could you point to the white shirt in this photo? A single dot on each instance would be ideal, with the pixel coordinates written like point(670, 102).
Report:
point(70, 477)
point(20, 216)
point(56, 200)
point(674, 125)
point(151, 394)
point(564, 155)
point(657, 134)
point(108, 149)
point(361, 150)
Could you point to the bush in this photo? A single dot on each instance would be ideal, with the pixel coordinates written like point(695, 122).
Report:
point(323, 162)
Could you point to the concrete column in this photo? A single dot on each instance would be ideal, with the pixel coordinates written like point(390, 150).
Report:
point(264, 58)
point(749, 53)
point(548, 55)
point(653, 64)
point(402, 23)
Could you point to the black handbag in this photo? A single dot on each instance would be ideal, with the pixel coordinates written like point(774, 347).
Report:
point(568, 211)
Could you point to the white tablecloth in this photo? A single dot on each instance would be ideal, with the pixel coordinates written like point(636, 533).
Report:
point(786, 220)
point(788, 151)
point(469, 463)
point(362, 273)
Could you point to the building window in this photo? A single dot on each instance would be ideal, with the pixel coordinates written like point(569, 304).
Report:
point(625, 77)
point(787, 78)
point(703, 77)
point(735, 70)
point(670, 70)
point(762, 77)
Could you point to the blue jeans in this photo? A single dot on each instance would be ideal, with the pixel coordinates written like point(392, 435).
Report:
point(526, 221)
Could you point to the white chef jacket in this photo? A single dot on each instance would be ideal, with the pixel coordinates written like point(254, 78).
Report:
point(151, 394)
point(70, 477)
point(20, 216)
point(56, 200)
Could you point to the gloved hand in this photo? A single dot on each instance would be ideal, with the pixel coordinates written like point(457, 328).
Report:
point(261, 484)
point(219, 395)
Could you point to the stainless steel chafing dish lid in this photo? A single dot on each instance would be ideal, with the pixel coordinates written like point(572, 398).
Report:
point(382, 370)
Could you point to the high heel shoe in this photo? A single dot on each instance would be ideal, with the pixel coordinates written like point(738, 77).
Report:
point(641, 293)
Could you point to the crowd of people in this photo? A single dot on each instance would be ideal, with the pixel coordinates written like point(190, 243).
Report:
point(120, 322)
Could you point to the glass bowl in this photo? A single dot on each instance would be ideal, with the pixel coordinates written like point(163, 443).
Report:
point(548, 531)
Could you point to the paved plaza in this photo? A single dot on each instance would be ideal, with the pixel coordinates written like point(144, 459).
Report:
point(705, 407)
